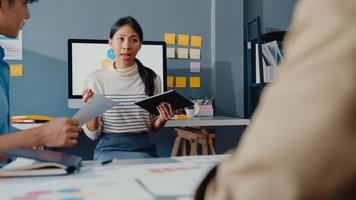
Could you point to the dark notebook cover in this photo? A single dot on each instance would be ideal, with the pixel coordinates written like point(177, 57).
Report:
point(46, 161)
point(172, 97)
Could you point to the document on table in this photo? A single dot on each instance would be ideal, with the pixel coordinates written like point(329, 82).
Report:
point(97, 105)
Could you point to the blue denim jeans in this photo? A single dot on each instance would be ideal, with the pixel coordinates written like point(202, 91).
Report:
point(124, 146)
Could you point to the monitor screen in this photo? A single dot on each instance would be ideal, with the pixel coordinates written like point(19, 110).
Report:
point(86, 56)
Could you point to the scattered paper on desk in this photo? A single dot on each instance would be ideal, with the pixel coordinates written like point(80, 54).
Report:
point(16, 70)
point(195, 67)
point(195, 54)
point(73, 187)
point(183, 53)
point(97, 105)
point(183, 179)
point(181, 82)
point(183, 39)
point(196, 41)
point(171, 52)
point(194, 82)
point(170, 81)
point(170, 38)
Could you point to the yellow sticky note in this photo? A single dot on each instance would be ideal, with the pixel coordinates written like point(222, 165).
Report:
point(194, 82)
point(195, 41)
point(183, 53)
point(195, 54)
point(181, 82)
point(183, 39)
point(171, 52)
point(170, 38)
point(16, 70)
point(170, 80)
point(105, 63)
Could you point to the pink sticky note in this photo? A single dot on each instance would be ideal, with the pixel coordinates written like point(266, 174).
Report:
point(195, 67)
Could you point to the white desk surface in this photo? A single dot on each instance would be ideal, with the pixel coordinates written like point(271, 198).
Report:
point(209, 121)
point(157, 178)
point(195, 121)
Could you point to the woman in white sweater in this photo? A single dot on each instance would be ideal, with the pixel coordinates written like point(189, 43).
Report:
point(123, 131)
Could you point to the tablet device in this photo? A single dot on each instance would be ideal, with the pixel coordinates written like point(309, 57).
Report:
point(172, 97)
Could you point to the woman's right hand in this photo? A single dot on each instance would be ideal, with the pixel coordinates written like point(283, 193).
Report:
point(87, 94)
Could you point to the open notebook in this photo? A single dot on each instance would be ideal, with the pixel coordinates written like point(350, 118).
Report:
point(32, 162)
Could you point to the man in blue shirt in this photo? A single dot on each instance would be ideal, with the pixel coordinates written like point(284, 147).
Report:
point(61, 132)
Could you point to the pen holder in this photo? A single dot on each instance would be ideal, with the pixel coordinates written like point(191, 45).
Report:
point(206, 109)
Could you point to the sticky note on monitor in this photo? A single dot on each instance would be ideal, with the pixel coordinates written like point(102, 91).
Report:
point(105, 63)
point(183, 53)
point(181, 82)
point(16, 70)
point(195, 41)
point(171, 52)
point(170, 38)
point(194, 82)
point(195, 54)
point(183, 39)
point(170, 81)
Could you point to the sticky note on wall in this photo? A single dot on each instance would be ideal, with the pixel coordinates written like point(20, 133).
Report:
point(195, 54)
point(170, 81)
point(170, 38)
point(183, 39)
point(195, 41)
point(183, 53)
point(195, 67)
point(181, 82)
point(171, 52)
point(194, 82)
point(16, 70)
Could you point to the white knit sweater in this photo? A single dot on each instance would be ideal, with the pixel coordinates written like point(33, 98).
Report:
point(126, 87)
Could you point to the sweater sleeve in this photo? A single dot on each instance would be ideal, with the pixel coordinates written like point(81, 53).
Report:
point(92, 83)
point(92, 134)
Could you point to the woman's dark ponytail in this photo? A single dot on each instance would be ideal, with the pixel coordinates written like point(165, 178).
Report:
point(148, 77)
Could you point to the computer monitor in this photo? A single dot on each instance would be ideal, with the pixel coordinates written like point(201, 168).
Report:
point(86, 56)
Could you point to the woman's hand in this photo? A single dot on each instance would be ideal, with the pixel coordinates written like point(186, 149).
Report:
point(87, 94)
point(165, 112)
point(93, 124)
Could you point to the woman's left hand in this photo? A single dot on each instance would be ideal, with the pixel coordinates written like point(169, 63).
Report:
point(165, 112)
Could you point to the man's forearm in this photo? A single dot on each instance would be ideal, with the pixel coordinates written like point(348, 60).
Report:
point(26, 139)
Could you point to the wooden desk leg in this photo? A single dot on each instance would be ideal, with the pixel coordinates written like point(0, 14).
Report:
point(184, 147)
point(176, 146)
point(211, 145)
point(205, 146)
point(193, 147)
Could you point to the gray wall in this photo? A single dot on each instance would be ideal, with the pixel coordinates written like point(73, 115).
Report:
point(54, 22)
point(43, 89)
point(228, 75)
point(275, 14)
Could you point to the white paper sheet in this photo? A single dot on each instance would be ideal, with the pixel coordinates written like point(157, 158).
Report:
point(97, 105)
